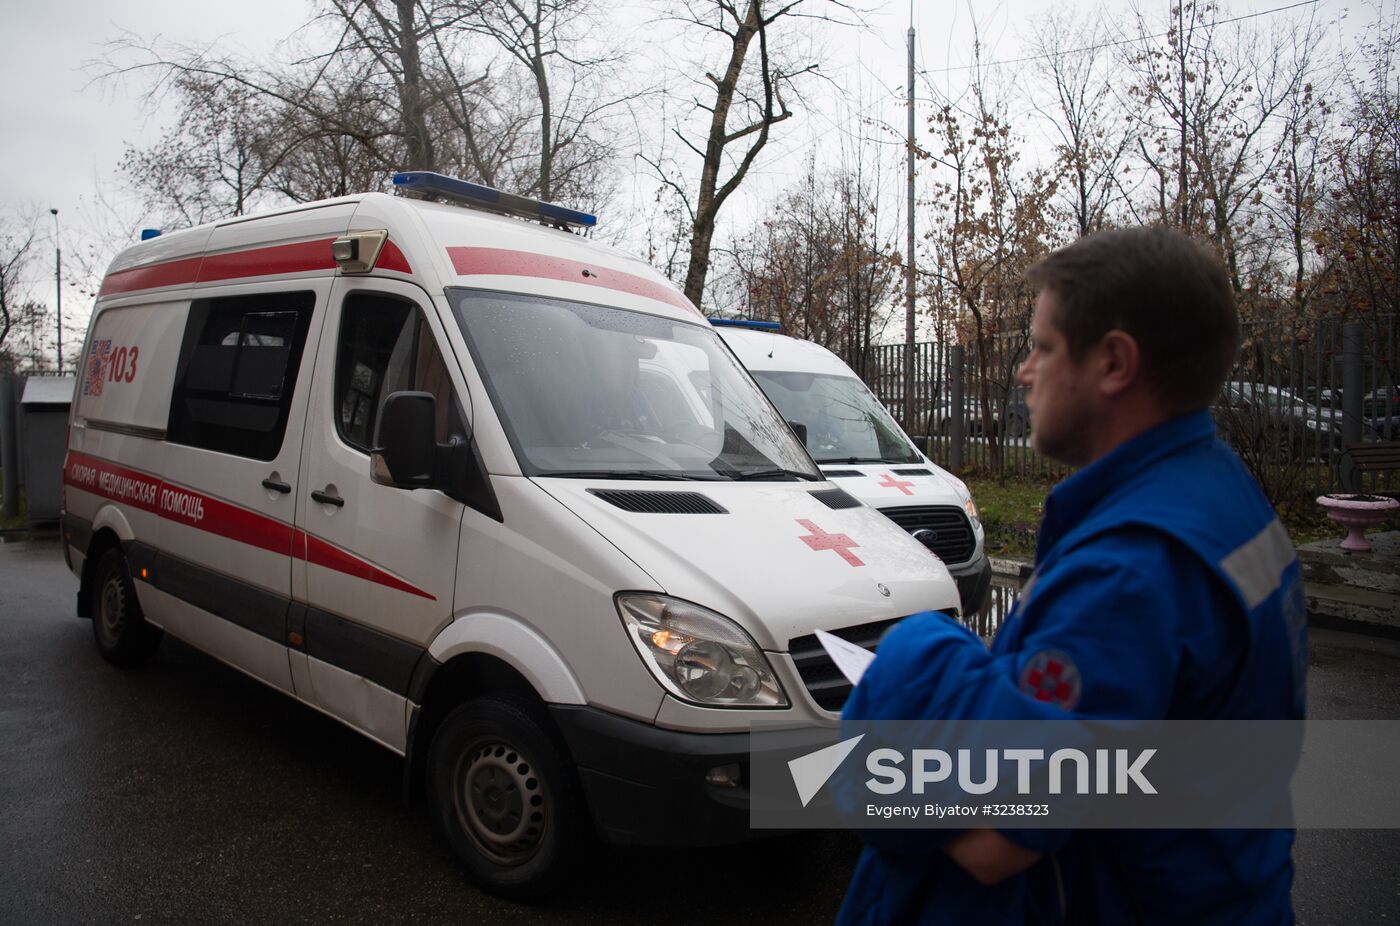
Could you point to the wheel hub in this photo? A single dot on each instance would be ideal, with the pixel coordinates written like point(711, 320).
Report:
point(500, 802)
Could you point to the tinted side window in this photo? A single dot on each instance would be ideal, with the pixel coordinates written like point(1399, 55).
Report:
point(385, 347)
point(237, 372)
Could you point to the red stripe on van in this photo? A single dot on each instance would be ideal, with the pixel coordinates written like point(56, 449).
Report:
point(301, 257)
point(320, 553)
point(215, 516)
point(391, 258)
point(152, 276)
point(500, 261)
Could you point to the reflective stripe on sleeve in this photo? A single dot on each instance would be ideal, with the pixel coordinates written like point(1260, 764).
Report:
point(1258, 565)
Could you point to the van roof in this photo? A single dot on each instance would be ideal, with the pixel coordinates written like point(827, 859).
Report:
point(769, 351)
point(434, 244)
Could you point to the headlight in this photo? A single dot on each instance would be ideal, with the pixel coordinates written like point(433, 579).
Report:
point(698, 655)
point(971, 508)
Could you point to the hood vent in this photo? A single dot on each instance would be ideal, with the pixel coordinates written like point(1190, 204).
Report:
point(842, 473)
point(645, 502)
point(911, 472)
point(835, 499)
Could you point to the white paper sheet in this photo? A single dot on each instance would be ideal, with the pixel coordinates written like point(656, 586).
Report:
point(852, 660)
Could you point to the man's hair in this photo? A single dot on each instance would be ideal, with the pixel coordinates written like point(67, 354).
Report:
point(1170, 293)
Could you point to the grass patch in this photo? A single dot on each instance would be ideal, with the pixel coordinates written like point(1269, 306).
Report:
point(1011, 510)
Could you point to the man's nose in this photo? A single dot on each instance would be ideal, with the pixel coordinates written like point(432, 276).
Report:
point(1023, 372)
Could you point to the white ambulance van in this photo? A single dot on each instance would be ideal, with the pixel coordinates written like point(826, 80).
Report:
point(859, 447)
point(490, 493)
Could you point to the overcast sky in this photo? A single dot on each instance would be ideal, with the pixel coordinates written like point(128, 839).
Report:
point(61, 136)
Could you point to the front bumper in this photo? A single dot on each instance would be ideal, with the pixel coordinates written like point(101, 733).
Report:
point(974, 584)
point(646, 785)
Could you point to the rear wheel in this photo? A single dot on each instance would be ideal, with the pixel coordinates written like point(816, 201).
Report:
point(120, 629)
point(505, 796)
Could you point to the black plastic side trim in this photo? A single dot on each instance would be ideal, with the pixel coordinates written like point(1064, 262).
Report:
point(296, 624)
point(383, 659)
point(77, 532)
point(262, 612)
point(422, 674)
point(139, 556)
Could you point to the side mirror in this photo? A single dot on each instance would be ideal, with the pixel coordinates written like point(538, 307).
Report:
point(800, 430)
point(405, 438)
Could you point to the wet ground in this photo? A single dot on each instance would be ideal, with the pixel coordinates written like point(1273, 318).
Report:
point(184, 792)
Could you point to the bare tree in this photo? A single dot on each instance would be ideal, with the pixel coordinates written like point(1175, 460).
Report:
point(1211, 99)
point(747, 97)
point(1092, 135)
point(22, 317)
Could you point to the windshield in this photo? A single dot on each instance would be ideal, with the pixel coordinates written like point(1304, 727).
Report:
point(844, 422)
point(590, 391)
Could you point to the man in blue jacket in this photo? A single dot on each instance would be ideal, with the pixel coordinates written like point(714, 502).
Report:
point(1164, 588)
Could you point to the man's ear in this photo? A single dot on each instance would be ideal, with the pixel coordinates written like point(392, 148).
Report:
point(1119, 362)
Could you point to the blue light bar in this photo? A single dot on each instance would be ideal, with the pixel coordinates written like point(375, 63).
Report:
point(148, 233)
point(745, 323)
point(474, 194)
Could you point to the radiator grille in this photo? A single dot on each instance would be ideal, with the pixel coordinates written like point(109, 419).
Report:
point(824, 682)
point(953, 540)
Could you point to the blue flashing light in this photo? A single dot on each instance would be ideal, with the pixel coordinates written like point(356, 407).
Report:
point(148, 233)
point(745, 323)
point(474, 194)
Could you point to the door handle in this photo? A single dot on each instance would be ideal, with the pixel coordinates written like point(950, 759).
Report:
point(272, 485)
point(319, 495)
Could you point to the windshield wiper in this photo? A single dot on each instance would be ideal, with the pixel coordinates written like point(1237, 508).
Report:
point(853, 460)
point(775, 474)
point(615, 474)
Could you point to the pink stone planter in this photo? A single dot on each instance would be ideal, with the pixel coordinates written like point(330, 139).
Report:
point(1357, 513)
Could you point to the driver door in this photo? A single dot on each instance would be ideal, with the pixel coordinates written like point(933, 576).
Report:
point(377, 565)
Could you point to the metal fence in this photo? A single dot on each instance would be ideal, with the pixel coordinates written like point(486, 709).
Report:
point(1299, 394)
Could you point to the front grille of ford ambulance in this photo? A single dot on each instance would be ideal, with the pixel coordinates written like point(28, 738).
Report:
point(645, 502)
point(953, 540)
point(825, 683)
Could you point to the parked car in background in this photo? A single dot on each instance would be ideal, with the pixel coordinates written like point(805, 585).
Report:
point(1381, 409)
point(1261, 416)
point(1010, 417)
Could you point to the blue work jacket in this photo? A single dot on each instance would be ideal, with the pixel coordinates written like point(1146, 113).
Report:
point(1164, 588)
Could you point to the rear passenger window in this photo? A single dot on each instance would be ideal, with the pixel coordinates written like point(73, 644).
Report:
point(237, 372)
point(385, 347)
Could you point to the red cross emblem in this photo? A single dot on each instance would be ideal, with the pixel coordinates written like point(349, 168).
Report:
point(821, 540)
point(1052, 677)
point(892, 483)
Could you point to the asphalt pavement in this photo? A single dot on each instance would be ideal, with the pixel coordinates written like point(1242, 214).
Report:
point(185, 792)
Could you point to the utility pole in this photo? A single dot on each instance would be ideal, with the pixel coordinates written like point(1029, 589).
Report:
point(909, 263)
point(58, 287)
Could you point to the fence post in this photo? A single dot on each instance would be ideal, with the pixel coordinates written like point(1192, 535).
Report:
point(955, 406)
point(1352, 334)
point(9, 444)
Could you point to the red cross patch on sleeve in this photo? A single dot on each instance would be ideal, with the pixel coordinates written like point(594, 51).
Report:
point(1052, 677)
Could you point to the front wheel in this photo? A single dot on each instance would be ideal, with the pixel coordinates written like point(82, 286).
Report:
point(120, 629)
point(505, 796)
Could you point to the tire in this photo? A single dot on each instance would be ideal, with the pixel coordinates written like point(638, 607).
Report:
point(505, 796)
point(120, 629)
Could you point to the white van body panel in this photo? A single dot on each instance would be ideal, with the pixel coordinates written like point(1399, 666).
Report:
point(514, 643)
point(557, 575)
point(776, 584)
